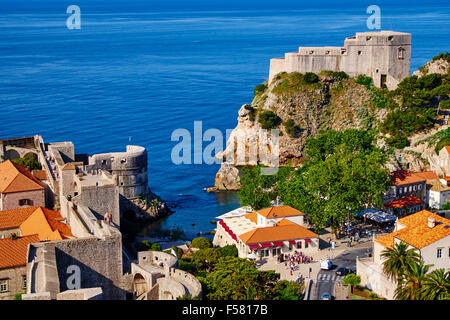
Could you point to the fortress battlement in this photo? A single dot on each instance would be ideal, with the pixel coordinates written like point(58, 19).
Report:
point(385, 56)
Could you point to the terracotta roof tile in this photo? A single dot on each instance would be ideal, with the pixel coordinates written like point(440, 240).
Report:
point(401, 177)
point(403, 202)
point(416, 231)
point(447, 148)
point(279, 211)
point(14, 218)
point(277, 233)
point(15, 178)
point(39, 174)
point(14, 252)
point(47, 224)
point(253, 217)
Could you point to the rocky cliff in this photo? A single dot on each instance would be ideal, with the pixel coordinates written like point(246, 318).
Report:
point(301, 106)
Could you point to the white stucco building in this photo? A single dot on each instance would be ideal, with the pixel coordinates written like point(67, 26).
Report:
point(425, 231)
point(267, 232)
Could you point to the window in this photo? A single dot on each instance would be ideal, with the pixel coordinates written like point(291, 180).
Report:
point(25, 202)
point(439, 253)
point(4, 285)
point(24, 282)
point(327, 52)
point(311, 52)
point(123, 160)
point(390, 38)
point(359, 53)
point(306, 245)
point(401, 53)
point(343, 51)
point(368, 38)
point(449, 252)
point(420, 187)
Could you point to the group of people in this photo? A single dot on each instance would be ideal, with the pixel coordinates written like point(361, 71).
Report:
point(294, 259)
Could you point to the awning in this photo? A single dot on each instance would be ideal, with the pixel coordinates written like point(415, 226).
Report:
point(291, 241)
point(254, 246)
point(234, 237)
point(307, 240)
point(266, 245)
point(277, 244)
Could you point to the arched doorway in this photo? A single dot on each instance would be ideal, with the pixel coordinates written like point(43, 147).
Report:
point(140, 285)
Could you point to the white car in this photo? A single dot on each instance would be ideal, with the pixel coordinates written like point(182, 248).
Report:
point(326, 265)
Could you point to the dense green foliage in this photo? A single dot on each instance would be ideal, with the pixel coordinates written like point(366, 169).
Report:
point(201, 243)
point(352, 280)
point(288, 290)
point(398, 259)
point(146, 245)
point(260, 89)
point(293, 82)
point(28, 162)
point(228, 251)
point(254, 185)
point(365, 81)
point(400, 124)
point(344, 173)
point(445, 56)
point(268, 119)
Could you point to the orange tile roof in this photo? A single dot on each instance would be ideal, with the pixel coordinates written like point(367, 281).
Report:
point(284, 222)
point(253, 217)
point(15, 178)
point(427, 175)
point(14, 218)
point(36, 220)
point(14, 252)
point(277, 233)
point(403, 202)
point(279, 211)
point(47, 224)
point(39, 174)
point(447, 178)
point(416, 231)
point(448, 149)
point(401, 177)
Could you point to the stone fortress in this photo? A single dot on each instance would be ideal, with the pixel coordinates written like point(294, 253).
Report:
point(92, 194)
point(385, 56)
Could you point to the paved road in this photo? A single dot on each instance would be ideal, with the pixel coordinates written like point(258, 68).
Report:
point(326, 279)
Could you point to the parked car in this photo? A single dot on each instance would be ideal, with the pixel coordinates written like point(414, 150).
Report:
point(325, 296)
point(326, 265)
point(343, 271)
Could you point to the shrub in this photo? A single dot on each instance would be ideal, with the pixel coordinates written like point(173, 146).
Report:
point(442, 55)
point(155, 247)
point(229, 251)
point(268, 119)
point(28, 162)
point(310, 77)
point(364, 80)
point(201, 243)
point(291, 128)
point(442, 143)
point(178, 251)
point(445, 104)
point(260, 89)
point(252, 112)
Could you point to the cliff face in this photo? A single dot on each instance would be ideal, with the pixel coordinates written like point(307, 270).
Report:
point(303, 108)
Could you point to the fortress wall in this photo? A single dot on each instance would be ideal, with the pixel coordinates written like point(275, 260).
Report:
point(101, 199)
point(153, 257)
point(276, 66)
point(170, 289)
point(188, 280)
point(99, 260)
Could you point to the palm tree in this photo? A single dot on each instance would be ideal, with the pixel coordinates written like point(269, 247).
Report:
point(410, 287)
point(437, 285)
point(398, 259)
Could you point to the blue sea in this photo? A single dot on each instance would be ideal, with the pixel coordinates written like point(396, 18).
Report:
point(134, 73)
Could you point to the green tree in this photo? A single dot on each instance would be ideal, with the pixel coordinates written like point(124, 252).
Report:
point(206, 258)
point(155, 247)
point(238, 279)
point(287, 290)
point(398, 259)
point(268, 119)
point(410, 287)
point(230, 251)
point(345, 174)
point(437, 285)
point(201, 243)
point(352, 280)
point(252, 192)
point(28, 162)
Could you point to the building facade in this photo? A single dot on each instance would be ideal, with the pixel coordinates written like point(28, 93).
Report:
point(265, 233)
point(385, 56)
point(424, 231)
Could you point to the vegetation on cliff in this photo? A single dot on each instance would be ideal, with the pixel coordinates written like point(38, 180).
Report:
point(344, 172)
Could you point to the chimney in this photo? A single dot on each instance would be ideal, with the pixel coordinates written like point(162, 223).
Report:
point(431, 222)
